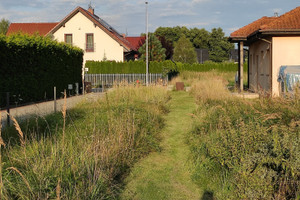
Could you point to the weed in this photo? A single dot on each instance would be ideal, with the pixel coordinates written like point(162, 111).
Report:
point(245, 149)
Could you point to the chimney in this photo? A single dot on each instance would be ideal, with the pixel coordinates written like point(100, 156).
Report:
point(91, 9)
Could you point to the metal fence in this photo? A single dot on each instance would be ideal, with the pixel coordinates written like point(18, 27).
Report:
point(107, 80)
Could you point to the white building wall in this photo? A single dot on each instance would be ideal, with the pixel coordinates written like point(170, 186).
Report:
point(286, 51)
point(260, 66)
point(79, 26)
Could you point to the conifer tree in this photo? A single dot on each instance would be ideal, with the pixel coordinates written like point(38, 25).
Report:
point(4, 24)
point(156, 51)
point(184, 51)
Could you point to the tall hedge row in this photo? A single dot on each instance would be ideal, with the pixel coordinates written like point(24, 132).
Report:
point(32, 65)
point(131, 67)
point(139, 67)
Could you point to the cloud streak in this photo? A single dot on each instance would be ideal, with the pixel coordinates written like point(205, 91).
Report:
point(129, 15)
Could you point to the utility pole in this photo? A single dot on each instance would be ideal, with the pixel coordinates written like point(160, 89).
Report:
point(147, 46)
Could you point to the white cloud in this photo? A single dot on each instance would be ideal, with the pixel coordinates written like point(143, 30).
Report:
point(130, 14)
point(198, 1)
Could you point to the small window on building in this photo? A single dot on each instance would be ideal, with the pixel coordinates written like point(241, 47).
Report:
point(69, 39)
point(90, 46)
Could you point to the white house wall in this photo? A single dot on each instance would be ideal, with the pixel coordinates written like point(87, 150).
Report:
point(286, 51)
point(260, 66)
point(105, 46)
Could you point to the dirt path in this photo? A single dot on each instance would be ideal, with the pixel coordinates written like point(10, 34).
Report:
point(42, 109)
point(165, 174)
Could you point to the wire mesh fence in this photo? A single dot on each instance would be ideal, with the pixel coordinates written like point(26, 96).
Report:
point(108, 80)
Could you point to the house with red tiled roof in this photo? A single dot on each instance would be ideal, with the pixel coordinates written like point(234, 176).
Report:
point(273, 42)
point(136, 43)
point(84, 29)
point(31, 28)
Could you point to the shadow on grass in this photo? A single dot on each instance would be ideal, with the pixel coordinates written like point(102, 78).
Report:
point(38, 127)
point(208, 195)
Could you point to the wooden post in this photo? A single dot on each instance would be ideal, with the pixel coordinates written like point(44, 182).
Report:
point(241, 66)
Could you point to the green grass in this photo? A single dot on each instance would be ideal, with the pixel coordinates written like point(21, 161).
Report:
point(244, 149)
point(91, 156)
point(165, 174)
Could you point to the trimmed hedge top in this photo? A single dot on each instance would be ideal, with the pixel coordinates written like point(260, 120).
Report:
point(139, 67)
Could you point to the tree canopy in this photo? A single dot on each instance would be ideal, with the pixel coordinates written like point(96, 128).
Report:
point(184, 51)
point(219, 46)
point(156, 51)
point(215, 41)
point(4, 24)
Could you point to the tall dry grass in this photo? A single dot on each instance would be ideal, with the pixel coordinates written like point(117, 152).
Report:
point(245, 149)
point(86, 152)
point(210, 86)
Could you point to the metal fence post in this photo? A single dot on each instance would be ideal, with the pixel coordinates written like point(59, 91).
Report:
point(54, 99)
point(7, 108)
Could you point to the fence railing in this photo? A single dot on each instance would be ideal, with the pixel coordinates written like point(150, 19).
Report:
point(99, 80)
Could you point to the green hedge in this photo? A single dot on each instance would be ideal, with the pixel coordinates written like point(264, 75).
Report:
point(131, 67)
point(139, 67)
point(208, 66)
point(32, 65)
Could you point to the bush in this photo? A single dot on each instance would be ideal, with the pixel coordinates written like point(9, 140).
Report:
point(247, 150)
point(32, 65)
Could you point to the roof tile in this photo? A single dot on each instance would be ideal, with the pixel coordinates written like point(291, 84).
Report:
point(136, 42)
point(30, 28)
point(252, 27)
point(287, 21)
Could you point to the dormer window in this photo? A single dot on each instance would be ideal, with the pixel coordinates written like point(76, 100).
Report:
point(69, 39)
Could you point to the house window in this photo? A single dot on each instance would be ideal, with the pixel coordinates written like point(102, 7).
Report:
point(69, 39)
point(89, 47)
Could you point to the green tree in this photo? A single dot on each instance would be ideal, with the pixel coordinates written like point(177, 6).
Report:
point(199, 37)
point(171, 34)
point(184, 51)
point(168, 45)
point(4, 24)
point(156, 51)
point(219, 46)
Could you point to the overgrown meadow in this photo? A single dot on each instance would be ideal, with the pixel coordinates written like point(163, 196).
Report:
point(244, 149)
point(83, 153)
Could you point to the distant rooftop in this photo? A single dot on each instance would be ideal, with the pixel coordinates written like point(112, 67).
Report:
point(31, 28)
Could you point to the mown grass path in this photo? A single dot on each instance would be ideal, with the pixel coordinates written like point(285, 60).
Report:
point(165, 174)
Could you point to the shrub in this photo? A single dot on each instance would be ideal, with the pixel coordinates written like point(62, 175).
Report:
point(247, 149)
point(32, 65)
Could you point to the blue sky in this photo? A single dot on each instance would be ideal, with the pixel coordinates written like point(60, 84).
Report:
point(129, 15)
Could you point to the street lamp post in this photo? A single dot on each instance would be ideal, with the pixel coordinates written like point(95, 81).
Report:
point(147, 45)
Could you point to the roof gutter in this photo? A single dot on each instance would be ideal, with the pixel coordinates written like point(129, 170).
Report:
point(237, 39)
point(280, 32)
